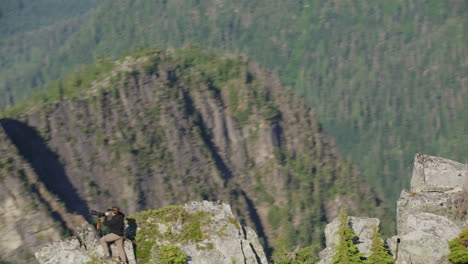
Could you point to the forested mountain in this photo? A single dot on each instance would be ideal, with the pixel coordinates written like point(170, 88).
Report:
point(156, 129)
point(30, 31)
point(20, 16)
point(387, 77)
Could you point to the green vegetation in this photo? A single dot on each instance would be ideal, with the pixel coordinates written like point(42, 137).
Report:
point(379, 254)
point(346, 251)
point(459, 248)
point(307, 255)
point(157, 225)
point(171, 255)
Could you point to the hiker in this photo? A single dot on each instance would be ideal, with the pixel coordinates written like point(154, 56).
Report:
point(116, 233)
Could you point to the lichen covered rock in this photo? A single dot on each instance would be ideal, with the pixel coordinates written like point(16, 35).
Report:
point(207, 232)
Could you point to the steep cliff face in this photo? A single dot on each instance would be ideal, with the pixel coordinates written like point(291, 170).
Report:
point(167, 128)
point(30, 215)
point(431, 214)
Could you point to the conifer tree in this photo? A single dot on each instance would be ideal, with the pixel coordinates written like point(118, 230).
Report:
point(347, 252)
point(379, 254)
point(459, 248)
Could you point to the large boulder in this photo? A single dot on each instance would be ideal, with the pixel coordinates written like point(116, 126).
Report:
point(207, 232)
point(362, 227)
point(433, 213)
point(434, 174)
point(80, 249)
point(234, 244)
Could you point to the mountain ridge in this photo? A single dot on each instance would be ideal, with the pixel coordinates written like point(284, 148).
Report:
point(187, 125)
point(378, 74)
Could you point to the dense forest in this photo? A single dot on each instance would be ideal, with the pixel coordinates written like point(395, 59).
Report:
point(387, 78)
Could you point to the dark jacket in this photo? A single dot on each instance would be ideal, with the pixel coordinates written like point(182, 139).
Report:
point(115, 224)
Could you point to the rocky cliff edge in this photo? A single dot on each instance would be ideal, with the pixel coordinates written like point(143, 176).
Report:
point(206, 232)
point(431, 214)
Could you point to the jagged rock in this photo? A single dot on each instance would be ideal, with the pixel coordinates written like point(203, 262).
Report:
point(224, 240)
point(434, 174)
point(432, 214)
point(235, 244)
point(206, 231)
point(362, 227)
point(67, 251)
point(80, 249)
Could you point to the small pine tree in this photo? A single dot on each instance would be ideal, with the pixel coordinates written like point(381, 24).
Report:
point(379, 254)
point(347, 252)
point(458, 248)
point(298, 256)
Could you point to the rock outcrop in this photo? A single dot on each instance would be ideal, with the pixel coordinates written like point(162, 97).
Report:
point(221, 239)
point(434, 174)
point(80, 249)
point(226, 241)
point(428, 217)
point(362, 227)
point(433, 212)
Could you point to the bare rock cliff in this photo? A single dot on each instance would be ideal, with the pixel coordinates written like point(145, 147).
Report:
point(428, 217)
point(433, 212)
point(30, 215)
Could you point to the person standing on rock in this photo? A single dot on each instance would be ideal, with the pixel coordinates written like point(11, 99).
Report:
point(116, 233)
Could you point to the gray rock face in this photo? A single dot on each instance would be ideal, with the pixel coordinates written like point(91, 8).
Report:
point(434, 174)
point(362, 227)
point(432, 214)
point(80, 249)
point(234, 244)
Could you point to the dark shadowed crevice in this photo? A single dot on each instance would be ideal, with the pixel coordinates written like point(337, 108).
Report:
point(45, 163)
point(244, 231)
point(253, 215)
point(206, 137)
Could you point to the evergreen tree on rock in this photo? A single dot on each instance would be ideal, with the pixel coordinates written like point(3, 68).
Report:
point(347, 252)
point(379, 254)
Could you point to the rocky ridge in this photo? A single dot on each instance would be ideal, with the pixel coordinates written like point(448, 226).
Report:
point(431, 214)
point(224, 240)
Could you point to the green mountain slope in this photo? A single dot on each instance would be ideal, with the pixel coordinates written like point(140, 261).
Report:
point(30, 31)
point(388, 78)
point(167, 128)
point(20, 16)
